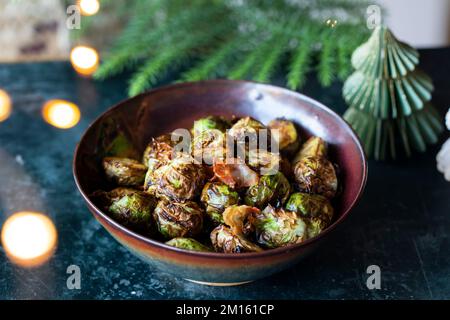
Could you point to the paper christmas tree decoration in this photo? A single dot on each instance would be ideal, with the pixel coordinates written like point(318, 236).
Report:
point(389, 98)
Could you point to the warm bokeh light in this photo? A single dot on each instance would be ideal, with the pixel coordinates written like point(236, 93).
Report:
point(61, 114)
point(29, 238)
point(84, 60)
point(5, 105)
point(89, 7)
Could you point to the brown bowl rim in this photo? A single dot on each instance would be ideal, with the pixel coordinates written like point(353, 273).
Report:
point(245, 255)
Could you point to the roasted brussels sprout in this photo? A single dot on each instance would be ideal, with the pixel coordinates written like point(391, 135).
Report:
point(278, 228)
point(235, 173)
point(124, 171)
point(315, 226)
point(159, 151)
point(178, 183)
point(217, 197)
point(251, 130)
point(311, 206)
point(134, 210)
point(178, 219)
point(316, 175)
point(224, 240)
point(188, 244)
point(265, 162)
point(208, 123)
point(271, 189)
point(285, 133)
point(209, 146)
point(241, 219)
point(313, 147)
point(103, 199)
point(180, 179)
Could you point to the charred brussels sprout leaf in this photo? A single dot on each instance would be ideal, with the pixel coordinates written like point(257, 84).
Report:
point(159, 151)
point(188, 244)
point(311, 206)
point(217, 197)
point(180, 179)
point(316, 175)
point(224, 240)
point(124, 171)
point(103, 199)
point(278, 228)
point(176, 219)
point(209, 123)
point(235, 173)
point(241, 219)
point(313, 147)
point(134, 210)
point(273, 189)
point(285, 133)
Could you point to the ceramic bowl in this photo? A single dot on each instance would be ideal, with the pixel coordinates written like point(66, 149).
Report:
point(177, 106)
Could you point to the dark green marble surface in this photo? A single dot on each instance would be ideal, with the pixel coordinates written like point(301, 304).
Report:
point(402, 223)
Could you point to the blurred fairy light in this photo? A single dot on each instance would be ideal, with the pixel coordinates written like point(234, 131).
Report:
point(89, 7)
point(5, 105)
point(29, 238)
point(331, 23)
point(84, 60)
point(61, 114)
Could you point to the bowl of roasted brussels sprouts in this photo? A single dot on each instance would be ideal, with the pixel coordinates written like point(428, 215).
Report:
point(220, 182)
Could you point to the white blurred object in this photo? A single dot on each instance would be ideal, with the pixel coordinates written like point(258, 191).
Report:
point(33, 30)
point(443, 160)
point(423, 24)
point(447, 119)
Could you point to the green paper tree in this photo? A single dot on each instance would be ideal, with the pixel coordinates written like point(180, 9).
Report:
point(389, 98)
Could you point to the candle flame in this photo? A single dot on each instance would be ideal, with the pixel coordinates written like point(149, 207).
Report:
point(89, 7)
point(5, 105)
point(29, 238)
point(84, 60)
point(61, 114)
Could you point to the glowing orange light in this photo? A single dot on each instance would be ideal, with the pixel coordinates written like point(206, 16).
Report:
point(61, 114)
point(84, 60)
point(89, 7)
point(29, 238)
point(5, 105)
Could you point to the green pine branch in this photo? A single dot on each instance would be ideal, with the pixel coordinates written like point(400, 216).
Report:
point(256, 37)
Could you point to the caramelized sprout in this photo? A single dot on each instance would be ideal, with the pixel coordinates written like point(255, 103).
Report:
point(188, 244)
point(235, 173)
point(285, 133)
point(278, 228)
point(311, 206)
point(178, 219)
point(251, 130)
point(217, 197)
point(313, 147)
point(240, 219)
point(271, 189)
point(124, 171)
point(209, 146)
point(224, 240)
point(209, 123)
point(158, 152)
point(180, 179)
point(316, 175)
point(134, 210)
